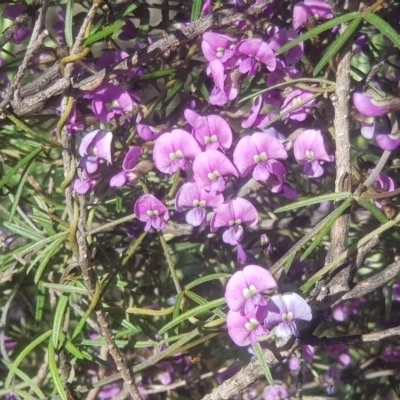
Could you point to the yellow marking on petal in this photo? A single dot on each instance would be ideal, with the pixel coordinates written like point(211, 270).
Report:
point(310, 155)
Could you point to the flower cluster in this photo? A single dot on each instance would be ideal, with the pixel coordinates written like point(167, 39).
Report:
point(252, 313)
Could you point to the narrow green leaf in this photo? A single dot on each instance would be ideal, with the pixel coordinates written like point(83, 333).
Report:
point(21, 356)
point(204, 91)
point(196, 9)
point(51, 251)
point(333, 217)
point(376, 212)
point(200, 300)
point(337, 45)
point(206, 278)
point(191, 313)
point(316, 31)
point(64, 288)
point(313, 200)
point(285, 84)
point(25, 378)
point(54, 372)
point(177, 306)
point(43, 253)
point(289, 262)
point(69, 14)
point(70, 347)
point(41, 243)
point(159, 74)
point(24, 232)
point(21, 164)
point(27, 219)
point(40, 302)
point(131, 8)
point(174, 91)
point(21, 186)
point(103, 33)
point(59, 318)
point(263, 362)
point(383, 27)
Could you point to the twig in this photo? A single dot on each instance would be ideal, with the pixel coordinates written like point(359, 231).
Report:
point(35, 42)
point(340, 228)
point(372, 283)
point(246, 376)
point(18, 22)
point(35, 102)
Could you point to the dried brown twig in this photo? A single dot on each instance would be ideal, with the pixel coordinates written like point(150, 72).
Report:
point(38, 97)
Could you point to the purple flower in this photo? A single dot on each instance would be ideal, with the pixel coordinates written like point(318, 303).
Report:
point(345, 309)
point(234, 214)
point(396, 291)
point(246, 289)
point(152, 211)
point(127, 175)
point(173, 150)
point(210, 168)
point(192, 195)
point(128, 31)
point(383, 183)
point(293, 101)
point(317, 9)
point(213, 132)
point(251, 53)
point(284, 310)
point(95, 149)
point(368, 106)
point(12, 12)
point(224, 89)
point(191, 116)
point(216, 46)
point(255, 153)
point(110, 101)
point(245, 329)
point(255, 117)
point(275, 393)
point(85, 183)
point(340, 352)
point(148, 133)
point(388, 142)
point(332, 379)
point(309, 150)
point(282, 37)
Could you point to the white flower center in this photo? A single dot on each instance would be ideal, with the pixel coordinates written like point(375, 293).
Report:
point(220, 52)
point(233, 222)
point(260, 157)
point(252, 324)
point(288, 316)
point(249, 292)
point(310, 155)
point(211, 139)
point(152, 213)
point(213, 175)
point(174, 156)
point(199, 203)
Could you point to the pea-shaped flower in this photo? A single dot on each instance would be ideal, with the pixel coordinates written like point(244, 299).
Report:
point(173, 150)
point(152, 211)
point(245, 329)
point(283, 311)
point(246, 289)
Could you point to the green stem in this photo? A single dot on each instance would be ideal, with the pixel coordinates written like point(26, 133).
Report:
point(111, 224)
point(144, 187)
point(133, 248)
point(177, 179)
point(170, 263)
